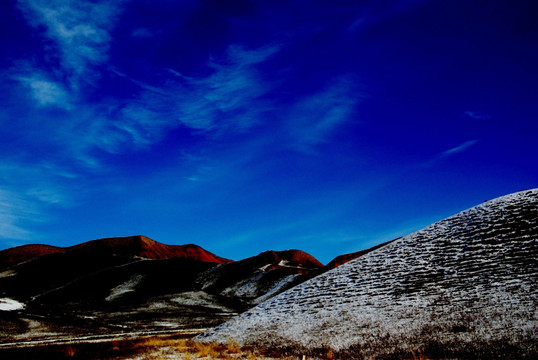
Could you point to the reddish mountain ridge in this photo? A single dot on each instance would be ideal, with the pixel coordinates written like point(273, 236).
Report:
point(342, 259)
point(145, 247)
point(19, 254)
point(135, 246)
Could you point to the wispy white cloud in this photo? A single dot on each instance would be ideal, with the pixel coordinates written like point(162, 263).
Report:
point(459, 148)
point(141, 84)
point(46, 92)
point(312, 119)
point(368, 15)
point(79, 28)
point(13, 211)
point(178, 74)
point(77, 43)
point(35, 182)
point(19, 210)
point(477, 115)
point(143, 125)
point(57, 171)
point(26, 195)
point(447, 153)
point(229, 98)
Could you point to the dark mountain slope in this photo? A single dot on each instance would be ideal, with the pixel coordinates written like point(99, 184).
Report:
point(46, 273)
point(33, 276)
point(16, 255)
point(129, 287)
point(257, 278)
point(137, 283)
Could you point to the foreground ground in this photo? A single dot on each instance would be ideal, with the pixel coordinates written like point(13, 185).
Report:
point(179, 346)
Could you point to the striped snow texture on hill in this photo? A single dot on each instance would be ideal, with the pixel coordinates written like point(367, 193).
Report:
point(464, 286)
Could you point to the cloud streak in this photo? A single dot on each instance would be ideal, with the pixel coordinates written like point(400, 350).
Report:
point(477, 115)
point(447, 153)
point(27, 193)
point(459, 148)
point(13, 211)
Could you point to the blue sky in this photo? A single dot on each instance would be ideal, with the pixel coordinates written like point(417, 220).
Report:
point(243, 126)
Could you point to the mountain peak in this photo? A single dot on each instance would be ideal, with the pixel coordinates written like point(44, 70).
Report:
point(128, 246)
point(285, 258)
point(300, 257)
point(143, 246)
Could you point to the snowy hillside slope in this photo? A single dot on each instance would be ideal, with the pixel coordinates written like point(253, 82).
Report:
point(463, 287)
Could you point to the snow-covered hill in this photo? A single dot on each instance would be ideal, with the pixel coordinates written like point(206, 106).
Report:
point(464, 286)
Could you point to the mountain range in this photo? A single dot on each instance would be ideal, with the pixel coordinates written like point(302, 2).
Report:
point(463, 287)
point(108, 285)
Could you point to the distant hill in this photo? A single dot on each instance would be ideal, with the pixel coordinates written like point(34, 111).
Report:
point(131, 246)
point(342, 259)
point(257, 278)
point(144, 247)
point(138, 283)
point(33, 274)
point(464, 287)
point(24, 253)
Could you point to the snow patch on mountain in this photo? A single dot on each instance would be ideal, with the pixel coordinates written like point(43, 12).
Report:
point(7, 273)
point(277, 287)
point(124, 288)
point(7, 304)
point(246, 288)
point(200, 298)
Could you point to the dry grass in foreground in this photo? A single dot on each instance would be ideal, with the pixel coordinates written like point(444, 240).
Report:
point(153, 348)
point(189, 349)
